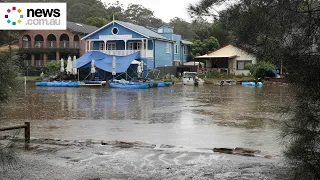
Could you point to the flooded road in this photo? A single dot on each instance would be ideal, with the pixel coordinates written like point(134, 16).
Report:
point(184, 116)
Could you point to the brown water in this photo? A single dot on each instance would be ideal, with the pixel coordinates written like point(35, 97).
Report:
point(197, 117)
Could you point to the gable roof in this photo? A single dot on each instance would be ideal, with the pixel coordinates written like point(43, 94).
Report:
point(228, 51)
point(142, 30)
point(81, 28)
point(136, 28)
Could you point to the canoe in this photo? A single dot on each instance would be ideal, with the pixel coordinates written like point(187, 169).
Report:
point(42, 83)
point(164, 84)
point(168, 83)
point(251, 84)
point(129, 86)
point(150, 84)
point(58, 84)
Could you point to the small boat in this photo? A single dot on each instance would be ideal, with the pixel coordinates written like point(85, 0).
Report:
point(227, 83)
point(252, 84)
point(164, 84)
point(191, 78)
point(42, 83)
point(129, 86)
point(150, 83)
point(58, 84)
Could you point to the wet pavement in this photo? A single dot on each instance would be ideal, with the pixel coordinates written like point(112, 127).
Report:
point(184, 116)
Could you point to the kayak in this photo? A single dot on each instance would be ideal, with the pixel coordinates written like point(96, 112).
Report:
point(129, 85)
point(251, 84)
point(58, 84)
point(43, 83)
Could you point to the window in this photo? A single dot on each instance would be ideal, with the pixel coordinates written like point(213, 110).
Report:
point(101, 46)
point(175, 48)
point(115, 31)
point(111, 46)
point(241, 65)
point(185, 50)
point(168, 48)
point(136, 45)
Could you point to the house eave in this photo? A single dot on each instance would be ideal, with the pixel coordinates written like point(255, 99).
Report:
point(84, 38)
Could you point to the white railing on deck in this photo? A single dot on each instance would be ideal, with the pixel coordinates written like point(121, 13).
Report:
point(128, 52)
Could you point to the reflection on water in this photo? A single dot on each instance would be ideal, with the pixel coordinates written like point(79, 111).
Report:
point(203, 117)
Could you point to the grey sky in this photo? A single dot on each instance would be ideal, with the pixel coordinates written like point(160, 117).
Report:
point(164, 9)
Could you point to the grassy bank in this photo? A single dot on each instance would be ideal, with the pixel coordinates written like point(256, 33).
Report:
point(216, 77)
point(29, 78)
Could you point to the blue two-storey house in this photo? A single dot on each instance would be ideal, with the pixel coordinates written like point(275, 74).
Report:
point(157, 46)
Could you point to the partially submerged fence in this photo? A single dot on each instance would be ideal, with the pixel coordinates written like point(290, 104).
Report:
point(26, 128)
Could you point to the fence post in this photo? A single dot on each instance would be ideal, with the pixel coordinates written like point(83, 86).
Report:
point(27, 132)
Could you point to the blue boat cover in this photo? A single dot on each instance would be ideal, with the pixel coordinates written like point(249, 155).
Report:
point(104, 61)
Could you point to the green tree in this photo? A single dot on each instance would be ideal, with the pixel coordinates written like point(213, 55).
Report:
point(220, 32)
point(96, 21)
point(284, 31)
point(261, 69)
point(182, 27)
point(8, 36)
point(53, 66)
point(203, 47)
point(9, 68)
point(138, 14)
point(115, 10)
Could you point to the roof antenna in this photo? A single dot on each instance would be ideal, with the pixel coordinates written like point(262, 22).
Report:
point(113, 20)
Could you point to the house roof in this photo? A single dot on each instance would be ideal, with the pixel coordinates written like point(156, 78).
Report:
point(143, 30)
point(81, 28)
point(13, 44)
point(229, 51)
point(136, 28)
point(186, 42)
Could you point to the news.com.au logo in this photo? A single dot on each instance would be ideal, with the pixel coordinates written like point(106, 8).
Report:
point(33, 16)
point(13, 10)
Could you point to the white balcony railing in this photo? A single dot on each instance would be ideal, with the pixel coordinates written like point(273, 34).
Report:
point(143, 53)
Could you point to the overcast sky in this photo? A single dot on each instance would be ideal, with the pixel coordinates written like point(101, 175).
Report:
point(164, 9)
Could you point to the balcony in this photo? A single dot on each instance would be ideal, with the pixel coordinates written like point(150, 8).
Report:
point(52, 44)
point(76, 44)
point(64, 44)
point(143, 53)
point(26, 44)
point(38, 44)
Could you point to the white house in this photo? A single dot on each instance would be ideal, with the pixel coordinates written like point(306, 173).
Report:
point(229, 59)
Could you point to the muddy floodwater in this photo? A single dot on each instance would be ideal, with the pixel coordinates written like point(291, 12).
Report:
point(184, 116)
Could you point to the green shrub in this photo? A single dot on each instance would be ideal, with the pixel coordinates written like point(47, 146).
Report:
point(260, 69)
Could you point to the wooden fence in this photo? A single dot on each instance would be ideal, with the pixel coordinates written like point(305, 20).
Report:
point(26, 128)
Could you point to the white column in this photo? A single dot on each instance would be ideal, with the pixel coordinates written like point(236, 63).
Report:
point(86, 45)
point(147, 47)
point(89, 46)
point(142, 47)
point(105, 47)
point(125, 47)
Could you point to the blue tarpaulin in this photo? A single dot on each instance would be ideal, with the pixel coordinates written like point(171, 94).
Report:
point(104, 61)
